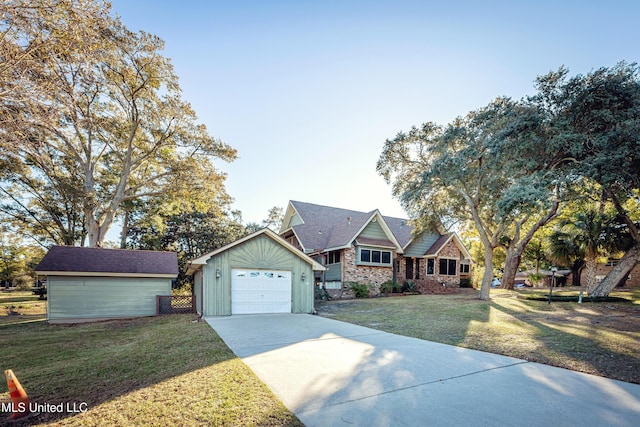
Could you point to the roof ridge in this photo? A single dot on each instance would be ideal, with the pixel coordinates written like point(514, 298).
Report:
point(110, 249)
point(348, 210)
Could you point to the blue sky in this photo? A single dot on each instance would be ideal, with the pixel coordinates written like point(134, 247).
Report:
point(308, 91)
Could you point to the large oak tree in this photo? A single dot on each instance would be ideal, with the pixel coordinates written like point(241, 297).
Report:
point(490, 167)
point(598, 115)
point(93, 124)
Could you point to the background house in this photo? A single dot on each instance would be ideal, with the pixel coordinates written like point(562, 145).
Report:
point(89, 284)
point(633, 280)
point(369, 248)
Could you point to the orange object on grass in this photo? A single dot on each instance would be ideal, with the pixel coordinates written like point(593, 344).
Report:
point(19, 397)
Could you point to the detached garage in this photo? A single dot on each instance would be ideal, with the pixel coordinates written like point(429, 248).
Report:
point(88, 284)
point(260, 273)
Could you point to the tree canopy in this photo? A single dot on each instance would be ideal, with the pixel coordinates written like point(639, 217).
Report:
point(91, 118)
point(480, 168)
point(511, 166)
point(599, 117)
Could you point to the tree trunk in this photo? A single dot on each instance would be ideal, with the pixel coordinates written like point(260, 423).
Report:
point(619, 273)
point(576, 271)
point(93, 230)
point(590, 266)
point(485, 288)
point(125, 229)
point(511, 262)
point(511, 265)
point(96, 231)
point(517, 245)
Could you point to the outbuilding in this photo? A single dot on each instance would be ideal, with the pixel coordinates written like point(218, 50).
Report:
point(89, 284)
point(259, 273)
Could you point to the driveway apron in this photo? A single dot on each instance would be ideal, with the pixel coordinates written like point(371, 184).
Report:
point(331, 373)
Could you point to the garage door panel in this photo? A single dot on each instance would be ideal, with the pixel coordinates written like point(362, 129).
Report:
point(260, 291)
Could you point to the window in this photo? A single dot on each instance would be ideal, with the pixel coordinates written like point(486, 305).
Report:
point(417, 268)
point(386, 257)
point(375, 257)
point(448, 267)
point(333, 257)
point(431, 266)
point(464, 268)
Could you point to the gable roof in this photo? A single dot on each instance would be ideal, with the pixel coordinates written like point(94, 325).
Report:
point(325, 228)
point(322, 228)
point(196, 263)
point(83, 261)
point(435, 249)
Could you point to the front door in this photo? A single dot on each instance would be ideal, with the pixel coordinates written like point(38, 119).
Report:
point(409, 268)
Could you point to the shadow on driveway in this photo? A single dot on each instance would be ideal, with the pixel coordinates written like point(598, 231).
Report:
point(333, 373)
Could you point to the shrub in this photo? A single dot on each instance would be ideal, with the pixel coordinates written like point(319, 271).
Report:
point(465, 283)
point(23, 283)
point(535, 278)
point(360, 290)
point(185, 289)
point(409, 286)
point(388, 287)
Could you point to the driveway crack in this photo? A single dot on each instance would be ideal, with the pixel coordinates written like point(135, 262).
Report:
point(441, 380)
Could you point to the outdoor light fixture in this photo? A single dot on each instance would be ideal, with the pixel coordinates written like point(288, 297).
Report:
point(218, 273)
point(304, 276)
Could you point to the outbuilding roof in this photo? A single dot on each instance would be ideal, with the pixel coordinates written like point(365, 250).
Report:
point(197, 263)
point(83, 261)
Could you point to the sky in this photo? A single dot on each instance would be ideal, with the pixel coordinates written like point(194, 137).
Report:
point(308, 91)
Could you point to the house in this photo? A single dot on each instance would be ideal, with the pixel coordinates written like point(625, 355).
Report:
point(259, 273)
point(89, 284)
point(369, 248)
point(633, 279)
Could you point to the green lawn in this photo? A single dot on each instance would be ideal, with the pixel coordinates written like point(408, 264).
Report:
point(146, 371)
point(171, 371)
point(20, 307)
point(602, 338)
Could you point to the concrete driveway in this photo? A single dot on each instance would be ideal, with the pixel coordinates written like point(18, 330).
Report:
point(331, 373)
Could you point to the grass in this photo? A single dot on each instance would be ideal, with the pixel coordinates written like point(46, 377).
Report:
point(145, 372)
point(20, 307)
point(601, 338)
point(170, 371)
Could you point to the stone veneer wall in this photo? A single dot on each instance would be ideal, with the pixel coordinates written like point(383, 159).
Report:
point(376, 276)
point(433, 282)
point(365, 274)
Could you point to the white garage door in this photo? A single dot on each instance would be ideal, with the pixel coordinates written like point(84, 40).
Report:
point(260, 291)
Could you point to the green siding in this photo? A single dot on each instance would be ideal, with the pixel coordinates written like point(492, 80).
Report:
point(103, 297)
point(295, 220)
point(197, 290)
point(374, 231)
point(261, 252)
point(421, 245)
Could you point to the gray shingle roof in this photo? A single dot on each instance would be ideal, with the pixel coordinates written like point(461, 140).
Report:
point(99, 260)
point(327, 227)
point(435, 248)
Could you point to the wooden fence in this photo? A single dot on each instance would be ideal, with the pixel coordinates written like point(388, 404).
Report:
point(174, 304)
